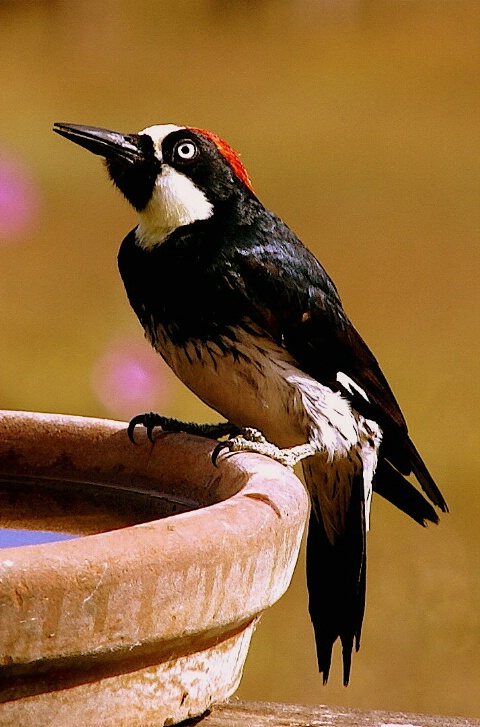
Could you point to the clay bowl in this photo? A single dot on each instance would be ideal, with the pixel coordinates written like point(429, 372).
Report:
point(146, 616)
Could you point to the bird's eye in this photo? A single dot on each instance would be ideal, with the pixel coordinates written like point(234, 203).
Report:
point(186, 150)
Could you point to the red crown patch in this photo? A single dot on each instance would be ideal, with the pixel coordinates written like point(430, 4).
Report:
point(228, 153)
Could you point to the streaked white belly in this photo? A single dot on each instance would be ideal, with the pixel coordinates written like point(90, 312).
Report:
point(262, 387)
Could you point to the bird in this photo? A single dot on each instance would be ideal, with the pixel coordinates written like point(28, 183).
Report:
point(248, 318)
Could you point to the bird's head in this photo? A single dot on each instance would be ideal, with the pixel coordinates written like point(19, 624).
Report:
point(172, 175)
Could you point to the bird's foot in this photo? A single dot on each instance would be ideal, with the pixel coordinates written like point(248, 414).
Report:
point(150, 420)
point(251, 440)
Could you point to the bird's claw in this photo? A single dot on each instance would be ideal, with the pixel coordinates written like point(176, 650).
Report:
point(216, 452)
point(149, 420)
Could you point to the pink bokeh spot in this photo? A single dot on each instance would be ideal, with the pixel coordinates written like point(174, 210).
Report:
point(129, 379)
point(19, 199)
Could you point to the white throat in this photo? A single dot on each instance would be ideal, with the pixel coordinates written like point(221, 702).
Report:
point(175, 201)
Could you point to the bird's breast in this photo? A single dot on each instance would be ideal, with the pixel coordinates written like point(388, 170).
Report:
point(252, 381)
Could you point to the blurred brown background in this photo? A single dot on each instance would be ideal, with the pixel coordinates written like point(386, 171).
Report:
point(359, 124)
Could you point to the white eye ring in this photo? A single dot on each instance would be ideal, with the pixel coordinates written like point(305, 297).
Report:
point(186, 150)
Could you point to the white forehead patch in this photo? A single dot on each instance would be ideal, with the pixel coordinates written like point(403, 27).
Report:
point(158, 134)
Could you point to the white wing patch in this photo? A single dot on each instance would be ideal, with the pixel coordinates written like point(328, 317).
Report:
point(349, 385)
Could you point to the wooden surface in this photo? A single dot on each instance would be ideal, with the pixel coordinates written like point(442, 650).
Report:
point(267, 714)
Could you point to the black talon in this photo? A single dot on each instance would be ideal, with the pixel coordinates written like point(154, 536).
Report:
point(149, 420)
point(131, 427)
point(216, 452)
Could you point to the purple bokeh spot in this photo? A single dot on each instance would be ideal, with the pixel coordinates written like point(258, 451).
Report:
point(129, 378)
point(19, 199)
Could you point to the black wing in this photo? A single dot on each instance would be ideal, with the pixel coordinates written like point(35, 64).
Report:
point(291, 296)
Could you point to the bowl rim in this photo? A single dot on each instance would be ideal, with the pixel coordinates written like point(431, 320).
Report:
point(256, 529)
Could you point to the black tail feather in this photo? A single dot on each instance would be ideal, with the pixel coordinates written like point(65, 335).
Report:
point(424, 477)
point(393, 486)
point(336, 584)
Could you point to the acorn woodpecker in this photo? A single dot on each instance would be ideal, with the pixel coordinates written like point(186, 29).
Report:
point(250, 321)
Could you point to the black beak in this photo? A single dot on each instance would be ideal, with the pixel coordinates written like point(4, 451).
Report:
point(108, 144)
point(130, 158)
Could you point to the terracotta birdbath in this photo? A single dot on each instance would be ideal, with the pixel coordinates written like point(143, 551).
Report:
point(145, 615)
